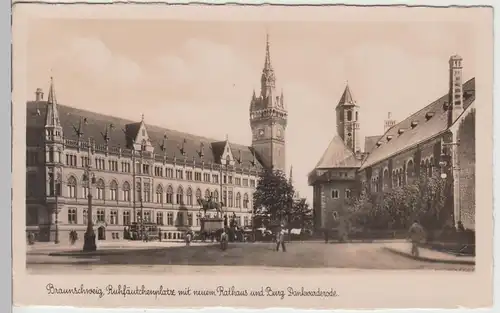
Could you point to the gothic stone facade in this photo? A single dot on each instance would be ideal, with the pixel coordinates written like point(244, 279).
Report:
point(141, 170)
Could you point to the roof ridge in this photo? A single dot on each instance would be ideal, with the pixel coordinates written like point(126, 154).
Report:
point(129, 121)
point(426, 107)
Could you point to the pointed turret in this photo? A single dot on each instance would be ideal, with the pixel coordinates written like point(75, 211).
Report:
point(347, 98)
point(268, 78)
point(290, 178)
point(52, 115)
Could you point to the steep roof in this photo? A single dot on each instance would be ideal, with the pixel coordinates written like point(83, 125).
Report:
point(427, 126)
point(338, 155)
point(347, 98)
point(124, 133)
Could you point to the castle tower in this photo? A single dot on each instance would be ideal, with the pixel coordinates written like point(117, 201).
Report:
point(389, 122)
point(268, 118)
point(456, 99)
point(348, 120)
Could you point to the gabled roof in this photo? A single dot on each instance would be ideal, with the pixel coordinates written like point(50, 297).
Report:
point(347, 98)
point(338, 155)
point(370, 142)
point(125, 131)
point(427, 123)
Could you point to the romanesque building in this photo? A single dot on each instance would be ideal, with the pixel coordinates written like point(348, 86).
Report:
point(440, 136)
point(140, 171)
point(334, 176)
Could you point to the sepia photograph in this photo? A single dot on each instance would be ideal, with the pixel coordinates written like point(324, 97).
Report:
point(162, 146)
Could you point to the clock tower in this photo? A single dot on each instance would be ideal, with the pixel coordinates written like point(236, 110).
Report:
point(348, 120)
point(268, 119)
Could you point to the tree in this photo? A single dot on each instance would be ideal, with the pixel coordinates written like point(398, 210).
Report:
point(396, 208)
point(273, 197)
point(301, 215)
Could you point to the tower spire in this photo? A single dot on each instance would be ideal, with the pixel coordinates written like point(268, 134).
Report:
point(52, 116)
point(290, 178)
point(268, 79)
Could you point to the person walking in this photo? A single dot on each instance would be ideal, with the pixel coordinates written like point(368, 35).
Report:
point(188, 238)
point(280, 240)
point(416, 235)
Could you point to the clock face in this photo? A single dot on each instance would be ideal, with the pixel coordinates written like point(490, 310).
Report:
point(261, 132)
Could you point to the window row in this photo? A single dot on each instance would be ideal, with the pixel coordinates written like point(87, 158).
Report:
point(161, 196)
point(160, 218)
point(336, 194)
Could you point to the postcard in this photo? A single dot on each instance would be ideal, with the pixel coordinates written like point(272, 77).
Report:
point(193, 156)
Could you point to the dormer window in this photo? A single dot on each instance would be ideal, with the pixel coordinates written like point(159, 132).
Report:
point(379, 143)
point(401, 130)
point(143, 132)
point(389, 137)
point(414, 124)
point(429, 115)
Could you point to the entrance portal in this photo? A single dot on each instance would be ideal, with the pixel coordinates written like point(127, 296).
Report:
point(101, 233)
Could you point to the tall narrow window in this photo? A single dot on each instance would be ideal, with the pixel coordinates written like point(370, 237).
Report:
point(100, 189)
point(72, 187)
point(180, 195)
point(189, 196)
point(126, 191)
point(113, 190)
point(159, 194)
point(170, 196)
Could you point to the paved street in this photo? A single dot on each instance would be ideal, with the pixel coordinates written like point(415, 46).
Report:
point(160, 256)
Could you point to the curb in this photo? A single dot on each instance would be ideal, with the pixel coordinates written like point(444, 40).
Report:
point(101, 252)
point(420, 258)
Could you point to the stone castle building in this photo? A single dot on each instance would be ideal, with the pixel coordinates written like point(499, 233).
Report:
point(440, 136)
point(141, 171)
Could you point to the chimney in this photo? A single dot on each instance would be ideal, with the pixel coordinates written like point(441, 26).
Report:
point(389, 122)
point(456, 99)
point(39, 94)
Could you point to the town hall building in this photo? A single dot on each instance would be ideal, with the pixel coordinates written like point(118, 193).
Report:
point(141, 171)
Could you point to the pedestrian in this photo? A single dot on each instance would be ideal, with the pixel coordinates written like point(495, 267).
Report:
point(280, 240)
point(188, 239)
point(159, 234)
point(223, 240)
point(416, 235)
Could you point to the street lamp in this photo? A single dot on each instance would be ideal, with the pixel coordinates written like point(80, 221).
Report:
point(89, 237)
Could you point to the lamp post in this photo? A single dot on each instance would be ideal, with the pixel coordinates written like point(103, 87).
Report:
point(89, 237)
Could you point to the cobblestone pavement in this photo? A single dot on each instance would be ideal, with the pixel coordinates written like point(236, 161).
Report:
point(240, 256)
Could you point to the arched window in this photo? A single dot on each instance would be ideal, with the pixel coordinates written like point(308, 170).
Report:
point(126, 191)
point(170, 195)
point(138, 192)
point(427, 167)
point(113, 190)
point(207, 194)
point(189, 197)
point(198, 194)
point(72, 187)
point(387, 180)
point(245, 201)
point(216, 196)
point(335, 194)
point(85, 217)
point(349, 115)
point(410, 171)
point(230, 199)
point(100, 189)
point(238, 200)
point(159, 194)
point(180, 195)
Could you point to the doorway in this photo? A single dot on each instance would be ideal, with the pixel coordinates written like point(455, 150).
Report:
point(101, 233)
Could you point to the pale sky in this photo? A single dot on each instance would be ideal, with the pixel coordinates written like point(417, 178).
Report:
point(198, 77)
